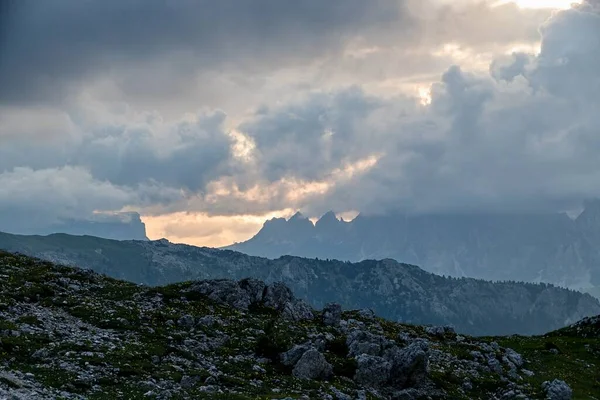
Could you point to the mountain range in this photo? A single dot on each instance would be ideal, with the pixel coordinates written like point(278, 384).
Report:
point(529, 247)
point(394, 290)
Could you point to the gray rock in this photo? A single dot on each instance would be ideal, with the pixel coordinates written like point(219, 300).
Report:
point(277, 295)
point(255, 289)
point(339, 395)
point(298, 310)
point(312, 365)
point(187, 321)
point(494, 365)
point(367, 314)
point(515, 358)
point(410, 365)
point(364, 342)
point(224, 291)
point(332, 314)
point(207, 320)
point(189, 381)
point(440, 331)
point(292, 356)
point(14, 381)
point(372, 370)
point(557, 390)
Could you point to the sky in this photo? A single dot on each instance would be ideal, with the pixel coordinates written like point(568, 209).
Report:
point(208, 117)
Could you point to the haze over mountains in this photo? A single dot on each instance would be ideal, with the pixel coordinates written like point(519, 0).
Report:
point(530, 247)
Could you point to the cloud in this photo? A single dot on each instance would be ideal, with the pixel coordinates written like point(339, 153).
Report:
point(47, 44)
point(321, 116)
point(31, 199)
point(162, 52)
point(521, 139)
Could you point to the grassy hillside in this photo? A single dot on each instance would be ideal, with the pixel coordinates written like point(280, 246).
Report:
point(69, 333)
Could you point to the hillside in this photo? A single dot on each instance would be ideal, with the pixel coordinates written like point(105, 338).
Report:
point(528, 247)
point(396, 291)
point(73, 334)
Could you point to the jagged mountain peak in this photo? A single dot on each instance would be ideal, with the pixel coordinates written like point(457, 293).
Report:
point(328, 218)
point(590, 217)
point(298, 217)
point(529, 247)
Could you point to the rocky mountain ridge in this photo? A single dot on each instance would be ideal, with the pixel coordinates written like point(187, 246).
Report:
point(528, 247)
point(73, 334)
point(396, 291)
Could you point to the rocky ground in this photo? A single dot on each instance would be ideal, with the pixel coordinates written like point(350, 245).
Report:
point(73, 334)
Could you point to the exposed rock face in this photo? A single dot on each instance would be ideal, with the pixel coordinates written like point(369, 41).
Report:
point(397, 291)
point(247, 292)
point(224, 291)
point(193, 340)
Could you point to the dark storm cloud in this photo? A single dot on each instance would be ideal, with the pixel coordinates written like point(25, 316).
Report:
point(46, 44)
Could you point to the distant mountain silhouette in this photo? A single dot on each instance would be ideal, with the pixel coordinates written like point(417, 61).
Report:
point(531, 247)
point(117, 226)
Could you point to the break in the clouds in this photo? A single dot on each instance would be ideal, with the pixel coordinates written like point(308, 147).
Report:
point(228, 109)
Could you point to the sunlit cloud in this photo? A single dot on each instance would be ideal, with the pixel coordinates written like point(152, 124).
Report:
point(554, 4)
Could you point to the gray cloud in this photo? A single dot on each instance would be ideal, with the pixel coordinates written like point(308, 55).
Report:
point(522, 136)
point(161, 49)
point(46, 44)
point(30, 199)
point(520, 139)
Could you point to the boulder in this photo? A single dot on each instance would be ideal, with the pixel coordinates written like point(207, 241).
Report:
point(372, 370)
point(410, 365)
point(364, 342)
point(277, 296)
point(297, 310)
point(291, 357)
point(557, 390)
point(312, 365)
point(515, 358)
point(332, 314)
point(440, 331)
point(187, 321)
point(255, 289)
point(224, 291)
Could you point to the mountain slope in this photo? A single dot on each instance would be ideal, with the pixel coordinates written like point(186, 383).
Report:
point(396, 291)
point(540, 247)
point(72, 334)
